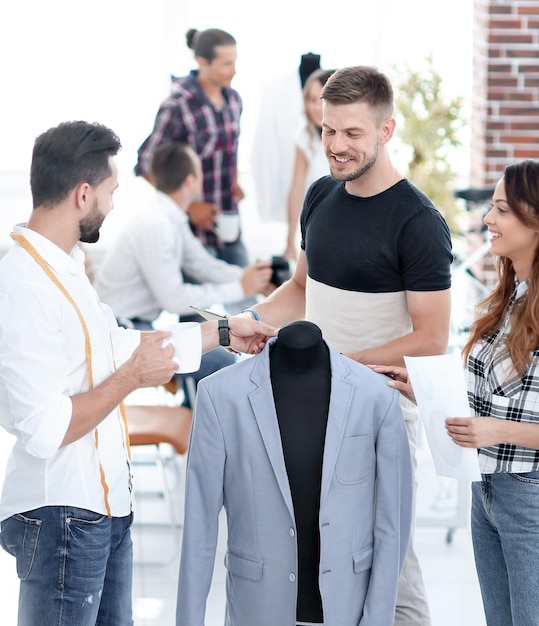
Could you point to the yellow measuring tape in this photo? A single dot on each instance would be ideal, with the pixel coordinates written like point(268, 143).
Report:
point(24, 243)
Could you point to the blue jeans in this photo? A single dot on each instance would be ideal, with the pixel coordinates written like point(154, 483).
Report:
point(75, 566)
point(234, 253)
point(505, 535)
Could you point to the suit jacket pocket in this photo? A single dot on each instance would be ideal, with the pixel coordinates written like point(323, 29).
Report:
point(246, 568)
point(356, 459)
point(362, 560)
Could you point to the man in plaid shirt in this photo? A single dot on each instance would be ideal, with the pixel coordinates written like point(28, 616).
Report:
point(203, 111)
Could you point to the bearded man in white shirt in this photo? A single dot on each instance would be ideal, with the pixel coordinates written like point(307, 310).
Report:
point(65, 367)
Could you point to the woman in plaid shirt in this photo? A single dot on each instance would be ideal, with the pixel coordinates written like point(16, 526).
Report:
point(502, 356)
point(503, 372)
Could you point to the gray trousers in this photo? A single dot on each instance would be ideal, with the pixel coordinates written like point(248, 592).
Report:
point(412, 605)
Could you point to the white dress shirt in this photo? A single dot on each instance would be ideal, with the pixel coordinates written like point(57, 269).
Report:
point(141, 274)
point(42, 364)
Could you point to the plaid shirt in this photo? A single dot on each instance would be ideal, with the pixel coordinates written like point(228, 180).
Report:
point(187, 115)
point(495, 389)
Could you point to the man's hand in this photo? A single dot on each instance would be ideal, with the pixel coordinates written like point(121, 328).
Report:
point(398, 379)
point(237, 193)
point(149, 365)
point(202, 214)
point(256, 279)
point(247, 335)
point(152, 364)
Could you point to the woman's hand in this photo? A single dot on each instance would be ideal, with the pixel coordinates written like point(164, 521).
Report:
point(398, 379)
point(476, 432)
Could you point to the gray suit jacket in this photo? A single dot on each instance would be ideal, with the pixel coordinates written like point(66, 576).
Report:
point(236, 460)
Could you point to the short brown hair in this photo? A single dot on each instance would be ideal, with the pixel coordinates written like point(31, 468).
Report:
point(171, 164)
point(360, 83)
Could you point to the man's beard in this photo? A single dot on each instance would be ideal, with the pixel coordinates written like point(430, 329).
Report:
point(355, 174)
point(90, 225)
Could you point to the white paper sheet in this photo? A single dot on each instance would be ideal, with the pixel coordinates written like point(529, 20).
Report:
point(440, 390)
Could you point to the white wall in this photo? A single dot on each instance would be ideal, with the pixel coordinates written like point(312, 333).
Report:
point(110, 61)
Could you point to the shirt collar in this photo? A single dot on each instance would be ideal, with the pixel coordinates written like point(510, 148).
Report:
point(520, 288)
point(194, 83)
point(173, 212)
point(54, 256)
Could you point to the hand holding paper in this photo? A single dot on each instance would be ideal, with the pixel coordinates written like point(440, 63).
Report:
point(477, 432)
point(440, 391)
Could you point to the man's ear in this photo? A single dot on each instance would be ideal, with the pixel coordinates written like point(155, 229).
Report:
point(191, 181)
point(387, 129)
point(81, 194)
point(202, 62)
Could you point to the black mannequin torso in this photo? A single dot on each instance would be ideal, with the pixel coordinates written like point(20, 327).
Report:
point(309, 63)
point(301, 381)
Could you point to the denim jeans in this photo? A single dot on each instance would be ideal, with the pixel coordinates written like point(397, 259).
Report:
point(74, 566)
point(505, 535)
point(234, 253)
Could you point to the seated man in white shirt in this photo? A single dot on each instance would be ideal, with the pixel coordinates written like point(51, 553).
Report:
point(142, 273)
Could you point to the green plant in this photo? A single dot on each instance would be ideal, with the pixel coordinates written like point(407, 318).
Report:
point(428, 125)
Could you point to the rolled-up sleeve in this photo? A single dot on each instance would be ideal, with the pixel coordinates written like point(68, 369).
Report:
point(34, 370)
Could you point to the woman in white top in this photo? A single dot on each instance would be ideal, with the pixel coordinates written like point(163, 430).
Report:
point(310, 162)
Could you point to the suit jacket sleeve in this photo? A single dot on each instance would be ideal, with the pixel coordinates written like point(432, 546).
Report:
point(203, 502)
point(393, 517)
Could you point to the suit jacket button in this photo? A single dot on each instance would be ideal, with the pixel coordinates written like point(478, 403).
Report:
point(292, 532)
point(292, 577)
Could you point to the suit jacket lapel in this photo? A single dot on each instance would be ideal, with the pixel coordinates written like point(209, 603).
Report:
point(263, 405)
point(339, 411)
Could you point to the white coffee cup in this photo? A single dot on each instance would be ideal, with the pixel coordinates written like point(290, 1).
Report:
point(227, 227)
point(186, 338)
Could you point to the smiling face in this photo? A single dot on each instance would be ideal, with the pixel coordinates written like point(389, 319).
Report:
point(509, 236)
point(352, 137)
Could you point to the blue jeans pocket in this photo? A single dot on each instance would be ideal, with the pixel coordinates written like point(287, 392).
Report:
point(19, 537)
point(527, 477)
point(88, 537)
point(83, 516)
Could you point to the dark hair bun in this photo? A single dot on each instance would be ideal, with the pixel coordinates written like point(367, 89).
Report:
point(190, 37)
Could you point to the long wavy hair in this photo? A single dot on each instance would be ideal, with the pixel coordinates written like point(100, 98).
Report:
point(522, 191)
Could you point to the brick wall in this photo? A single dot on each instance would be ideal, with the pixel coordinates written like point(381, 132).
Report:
point(505, 112)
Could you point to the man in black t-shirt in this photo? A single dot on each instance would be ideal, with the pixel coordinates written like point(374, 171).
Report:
point(374, 271)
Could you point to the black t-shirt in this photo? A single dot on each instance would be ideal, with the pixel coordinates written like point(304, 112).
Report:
point(391, 242)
